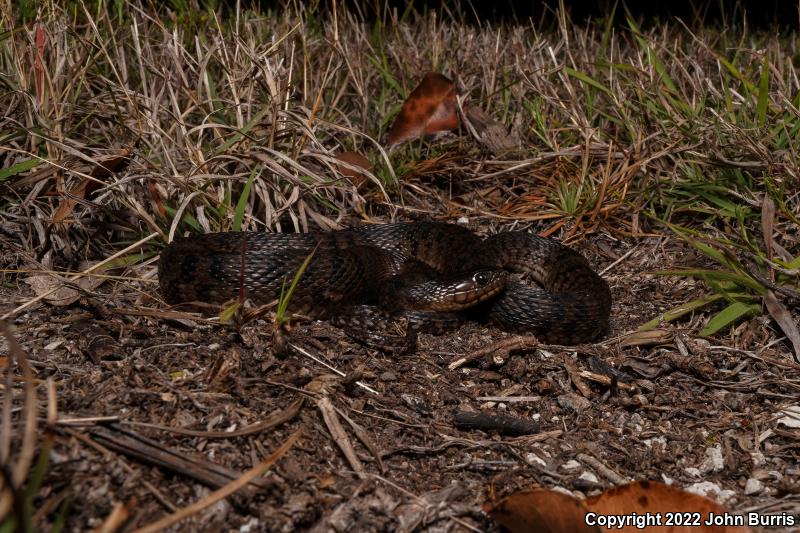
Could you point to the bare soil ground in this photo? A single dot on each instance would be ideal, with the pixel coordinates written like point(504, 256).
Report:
point(685, 409)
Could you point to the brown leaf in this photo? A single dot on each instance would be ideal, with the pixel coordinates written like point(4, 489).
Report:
point(157, 197)
point(554, 512)
point(56, 290)
point(65, 207)
point(357, 160)
point(113, 164)
point(429, 109)
point(661, 501)
point(489, 132)
point(784, 319)
point(87, 186)
point(541, 510)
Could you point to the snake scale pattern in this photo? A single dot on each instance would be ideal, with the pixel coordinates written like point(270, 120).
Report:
point(429, 267)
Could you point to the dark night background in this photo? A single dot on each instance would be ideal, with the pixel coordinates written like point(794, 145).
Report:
point(762, 14)
point(757, 14)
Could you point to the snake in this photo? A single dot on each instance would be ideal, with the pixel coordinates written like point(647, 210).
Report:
point(516, 280)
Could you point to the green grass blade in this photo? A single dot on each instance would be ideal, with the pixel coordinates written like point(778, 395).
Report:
point(677, 312)
point(751, 88)
point(728, 316)
point(607, 31)
point(39, 470)
point(227, 313)
point(19, 168)
point(258, 118)
point(188, 218)
point(710, 275)
point(36, 477)
point(61, 518)
point(8, 33)
point(588, 81)
point(129, 260)
point(286, 295)
point(216, 105)
point(710, 251)
point(241, 205)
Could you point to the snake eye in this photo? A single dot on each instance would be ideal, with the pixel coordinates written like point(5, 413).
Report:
point(481, 278)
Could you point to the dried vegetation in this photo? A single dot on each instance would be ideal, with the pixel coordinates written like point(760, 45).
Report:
point(666, 148)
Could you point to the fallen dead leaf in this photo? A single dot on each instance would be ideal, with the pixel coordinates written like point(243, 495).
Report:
point(326, 482)
point(61, 294)
point(541, 510)
point(784, 319)
point(103, 169)
point(627, 508)
point(157, 197)
point(688, 512)
point(649, 337)
point(429, 109)
point(490, 133)
point(791, 418)
point(357, 160)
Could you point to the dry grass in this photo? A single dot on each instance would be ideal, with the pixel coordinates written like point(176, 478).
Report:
point(614, 120)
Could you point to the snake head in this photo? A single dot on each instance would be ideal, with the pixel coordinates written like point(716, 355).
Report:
point(486, 278)
point(445, 294)
point(478, 287)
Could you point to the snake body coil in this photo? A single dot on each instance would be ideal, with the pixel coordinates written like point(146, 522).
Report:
point(427, 267)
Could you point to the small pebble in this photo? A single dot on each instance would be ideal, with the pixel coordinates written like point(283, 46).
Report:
point(563, 490)
point(251, 525)
point(711, 490)
point(714, 461)
point(533, 459)
point(53, 345)
point(753, 486)
point(758, 458)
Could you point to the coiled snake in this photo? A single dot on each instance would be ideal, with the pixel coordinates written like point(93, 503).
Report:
point(428, 269)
